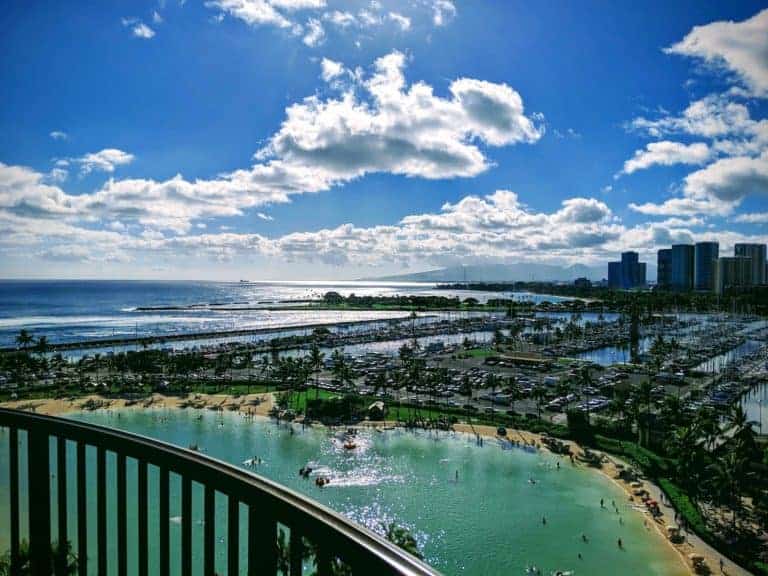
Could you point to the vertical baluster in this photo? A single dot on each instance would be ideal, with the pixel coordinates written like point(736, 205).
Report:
point(209, 536)
point(186, 525)
point(61, 489)
point(233, 536)
point(143, 546)
point(38, 458)
point(14, 485)
point(122, 520)
point(262, 540)
point(165, 565)
point(296, 551)
point(101, 508)
point(82, 513)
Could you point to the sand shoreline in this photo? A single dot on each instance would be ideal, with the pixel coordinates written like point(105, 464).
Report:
point(261, 404)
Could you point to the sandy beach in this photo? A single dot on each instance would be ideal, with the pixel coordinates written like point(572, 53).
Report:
point(261, 404)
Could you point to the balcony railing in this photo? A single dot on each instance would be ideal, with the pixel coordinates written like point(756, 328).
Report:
point(338, 545)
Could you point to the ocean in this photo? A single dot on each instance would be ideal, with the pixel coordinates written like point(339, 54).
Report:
point(84, 310)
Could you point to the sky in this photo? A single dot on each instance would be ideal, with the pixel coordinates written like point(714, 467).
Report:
point(333, 139)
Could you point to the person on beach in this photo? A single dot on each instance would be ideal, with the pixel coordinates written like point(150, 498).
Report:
point(602, 503)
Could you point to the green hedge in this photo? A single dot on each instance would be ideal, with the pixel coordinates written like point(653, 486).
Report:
point(687, 509)
point(650, 462)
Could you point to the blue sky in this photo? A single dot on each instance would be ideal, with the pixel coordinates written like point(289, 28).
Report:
point(319, 139)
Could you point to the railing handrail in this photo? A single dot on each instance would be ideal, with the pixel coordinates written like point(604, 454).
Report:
point(227, 478)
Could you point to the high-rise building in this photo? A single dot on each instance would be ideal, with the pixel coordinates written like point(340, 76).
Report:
point(705, 265)
point(627, 273)
point(732, 271)
point(614, 274)
point(664, 268)
point(756, 254)
point(682, 267)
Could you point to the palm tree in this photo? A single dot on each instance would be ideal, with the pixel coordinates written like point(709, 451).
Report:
point(644, 397)
point(684, 446)
point(727, 476)
point(539, 393)
point(585, 379)
point(316, 360)
point(707, 424)
point(42, 346)
point(743, 431)
point(58, 553)
point(402, 537)
point(24, 339)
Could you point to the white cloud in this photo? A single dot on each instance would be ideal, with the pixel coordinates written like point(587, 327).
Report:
point(265, 217)
point(58, 135)
point(330, 69)
point(402, 21)
point(57, 175)
point(710, 117)
point(315, 33)
point(252, 12)
point(402, 129)
point(103, 161)
point(666, 153)
point(141, 30)
point(752, 218)
point(443, 12)
point(157, 18)
point(739, 47)
point(340, 18)
point(379, 124)
point(730, 179)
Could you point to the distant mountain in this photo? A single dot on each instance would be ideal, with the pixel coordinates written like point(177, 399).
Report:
point(523, 272)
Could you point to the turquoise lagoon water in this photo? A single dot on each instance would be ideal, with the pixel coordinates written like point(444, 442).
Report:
point(488, 522)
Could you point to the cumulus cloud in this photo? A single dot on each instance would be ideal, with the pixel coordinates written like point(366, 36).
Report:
point(402, 129)
point(103, 161)
point(666, 153)
point(730, 179)
point(315, 34)
point(752, 218)
point(737, 147)
point(402, 21)
point(379, 123)
point(141, 30)
point(330, 69)
point(252, 12)
point(305, 18)
point(340, 18)
point(738, 47)
point(443, 12)
point(58, 135)
point(709, 117)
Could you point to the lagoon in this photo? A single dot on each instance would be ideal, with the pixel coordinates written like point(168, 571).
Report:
point(488, 522)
